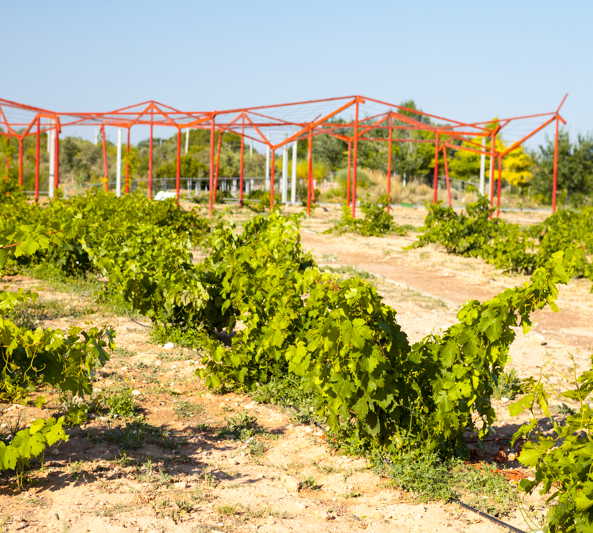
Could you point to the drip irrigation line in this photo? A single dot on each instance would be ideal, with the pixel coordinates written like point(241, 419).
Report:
point(508, 527)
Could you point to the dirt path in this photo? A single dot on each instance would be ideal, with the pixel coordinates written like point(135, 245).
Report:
point(172, 470)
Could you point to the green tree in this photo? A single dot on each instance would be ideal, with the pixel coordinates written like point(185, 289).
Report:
point(575, 169)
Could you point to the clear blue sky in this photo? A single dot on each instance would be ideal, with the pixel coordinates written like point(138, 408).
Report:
point(466, 60)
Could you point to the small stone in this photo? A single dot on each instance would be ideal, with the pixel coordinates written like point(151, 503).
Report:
point(136, 392)
point(168, 346)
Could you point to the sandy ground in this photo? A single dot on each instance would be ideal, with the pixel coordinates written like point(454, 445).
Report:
point(183, 476)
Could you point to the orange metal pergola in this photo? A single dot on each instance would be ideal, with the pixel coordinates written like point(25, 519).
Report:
point(352, 119)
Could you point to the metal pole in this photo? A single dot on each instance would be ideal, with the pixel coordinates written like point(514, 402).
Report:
point(178, 167)
point(293, 185)
point(348, 173)
point(57, 159)
point(21, 177)
point(242, 165)
point(309, 171)
point(355, 158)
point(211, 181)
point(186, 141)
point(127, 186)
point(37, 157)
point(118, 165)
point(491, 184)
point(105, 168)
point(284, 174)
point(217, 170)
point(150, 160)
point(267, 171)
point(555, 166)
point(272, 176)
point(448, 181)
point(389, 158)
point(483, 167)
point(499, 185)
point(435, 178)
point(52, 155)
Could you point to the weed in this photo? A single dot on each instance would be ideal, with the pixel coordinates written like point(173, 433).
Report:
point(256, 448)
point(431, 478)
point(184, 409)
point(229, 510)
point(121, 403)
point(508, 385)
point(288, 392)
point(349, 271)
point(308, 484)
point(241, 427)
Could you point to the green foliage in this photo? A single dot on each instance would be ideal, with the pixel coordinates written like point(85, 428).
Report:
point(371, 388)
point(31, 359)
point(30, 443)
point(376, 221)
point(562, 458)
point(509, 246)
point(575, 170)
point(120, 403)
point(62, 359)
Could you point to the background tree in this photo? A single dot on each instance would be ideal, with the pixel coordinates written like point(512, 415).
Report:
point(575, 169)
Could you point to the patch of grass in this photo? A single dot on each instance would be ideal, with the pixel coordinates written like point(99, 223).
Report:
point(430, 478)
point(241, 426)
point(256, 448)
point(230, 510)
point(484, 488)
point(120, 351)
point(308, 484)
point(120, 403)
point(349, 271)
point(137, 433)
point(288, 392)
point(184, 409)
point(509, 385)
point(30, 314)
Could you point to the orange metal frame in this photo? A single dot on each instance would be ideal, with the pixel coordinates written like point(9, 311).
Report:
point(263, 124)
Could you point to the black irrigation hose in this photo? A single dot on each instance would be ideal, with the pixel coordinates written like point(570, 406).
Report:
point(488, 517)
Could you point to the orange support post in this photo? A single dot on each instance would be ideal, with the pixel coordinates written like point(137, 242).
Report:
point(211, 180)
point(21, 173)
point(555, 167)
point(178, 167)
point(216, 173)
point(242, 166)
point(435, 178)
point(150, 161)
point(355, 156)
point(37, 157)
point(57, 160)
point(127, 184)
point(492, 152)
point(348, 173)
point(389, 162)
point(272, 176)
point(448, 181)
point(309, 171)
point(105, 167)
point(499, 185)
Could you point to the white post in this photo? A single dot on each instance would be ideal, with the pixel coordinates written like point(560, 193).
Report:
point(50, 143)
point(186, 140)
point(267, 176)
point(118, 165)
point(483, 166)
point(284, 174)
point(293, 185)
